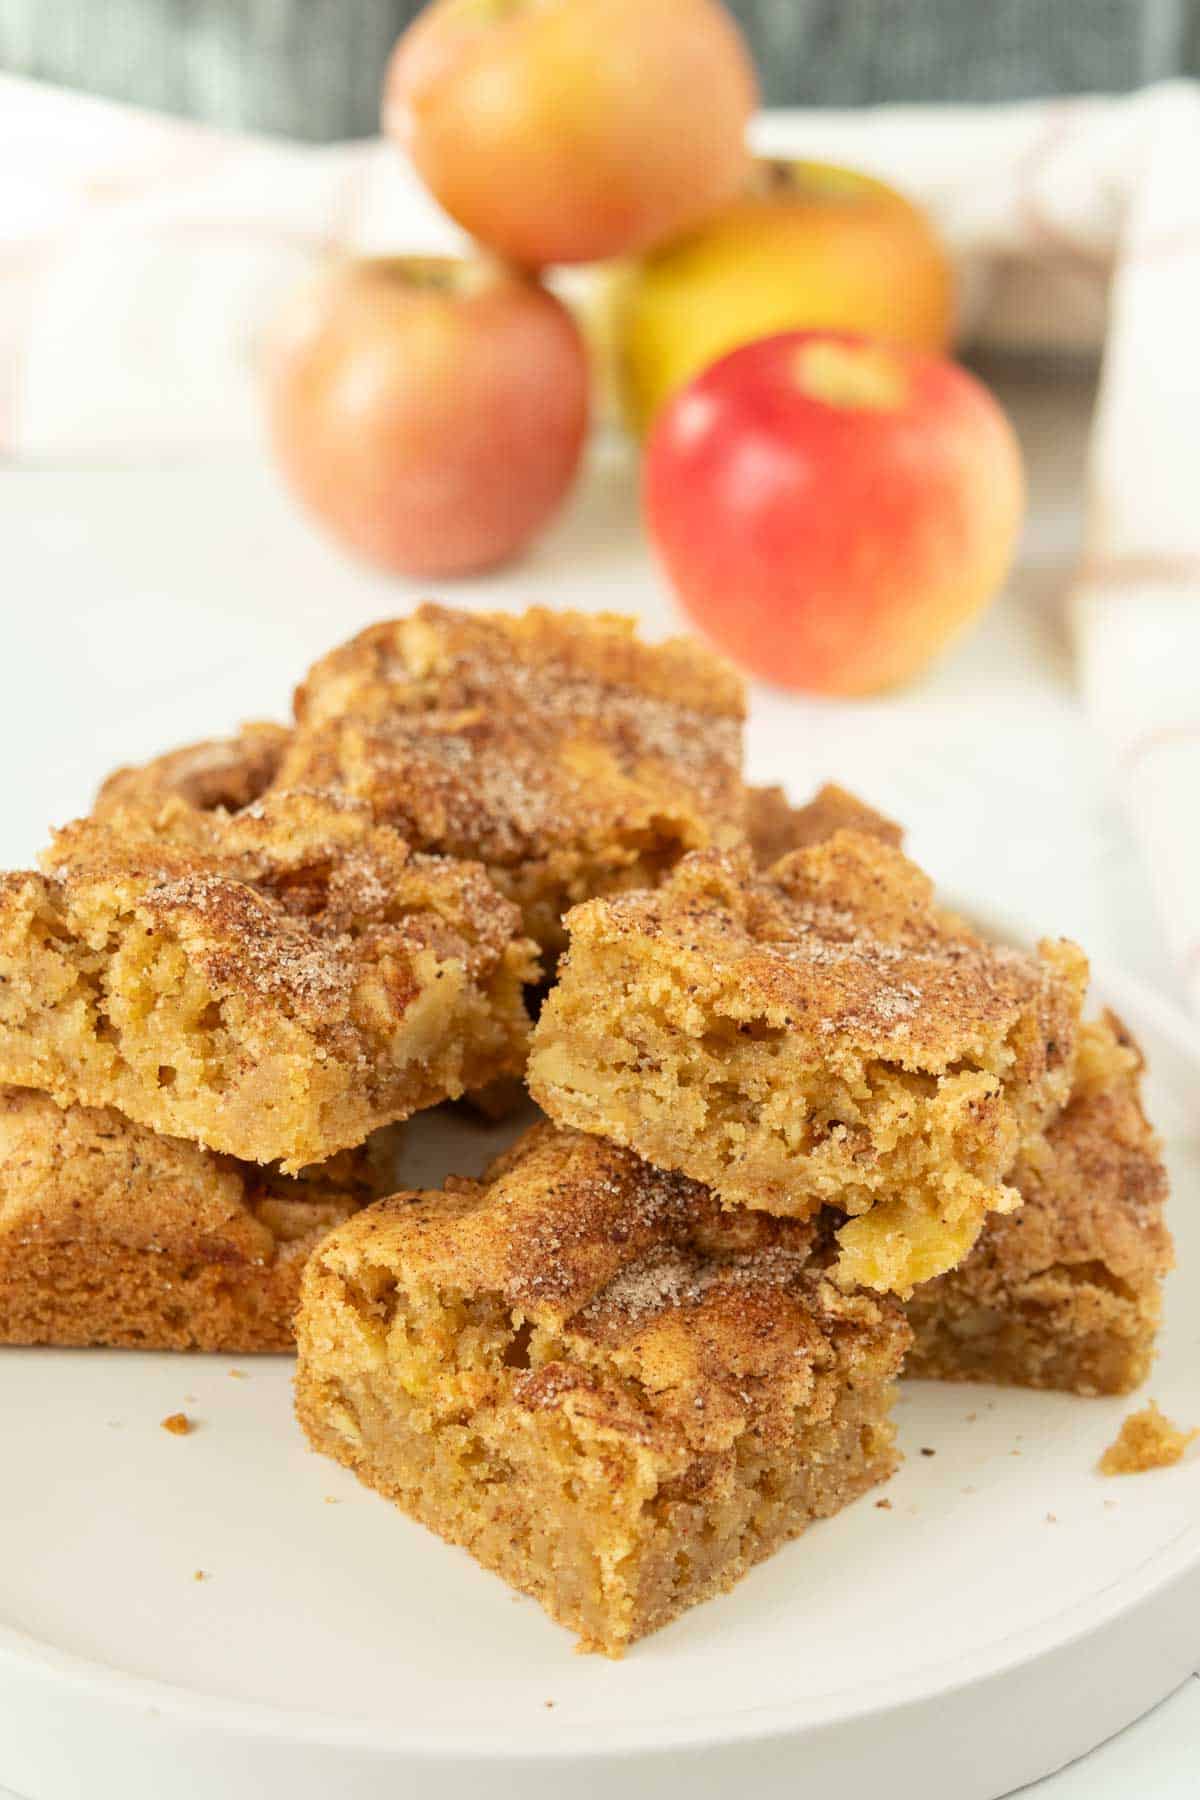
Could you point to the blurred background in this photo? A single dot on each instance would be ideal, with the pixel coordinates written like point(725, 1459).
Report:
point(311, 68)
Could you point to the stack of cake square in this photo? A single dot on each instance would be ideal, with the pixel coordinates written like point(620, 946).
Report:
point(799, 1121)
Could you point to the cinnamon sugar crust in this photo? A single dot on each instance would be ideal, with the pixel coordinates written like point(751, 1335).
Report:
point(775, 827)
point(615, 1394)
point(218, 774)
point(275, 984)
point(556, 748)
point(112, 1235)
point(1066, 1292)
point(819, 1036)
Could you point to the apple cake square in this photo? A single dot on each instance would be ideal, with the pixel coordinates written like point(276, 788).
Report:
point(821, 1035)
point(275, 984)
point(556, 748)
point(613, 1393)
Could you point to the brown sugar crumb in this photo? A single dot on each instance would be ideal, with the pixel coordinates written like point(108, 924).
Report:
point(926, 1451)
point(1146, 1440)
point(178, 1424)
point(884, 1505)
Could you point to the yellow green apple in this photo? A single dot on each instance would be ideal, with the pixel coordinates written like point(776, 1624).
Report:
point(807, 246)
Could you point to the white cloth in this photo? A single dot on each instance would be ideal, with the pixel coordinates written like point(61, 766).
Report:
point(140, 259)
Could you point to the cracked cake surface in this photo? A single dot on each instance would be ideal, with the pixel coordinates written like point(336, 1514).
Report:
point(613, 1392)
point(1066, 1292)
point(821, 1035)
point(111, 1234)
point(558, 749)
point(275, 984)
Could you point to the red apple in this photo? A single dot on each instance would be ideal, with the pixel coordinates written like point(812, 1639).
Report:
point(430, 412)
point(570, 132)
point(830, 510)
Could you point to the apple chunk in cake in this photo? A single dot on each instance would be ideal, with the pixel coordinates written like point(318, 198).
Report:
point(276, 984)
point(110, 1234)
point(1067, 1291)
point(558, 749)
point(612, 1393)
point(819, 1036)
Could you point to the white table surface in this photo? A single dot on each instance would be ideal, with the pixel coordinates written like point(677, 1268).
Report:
point(143, 607)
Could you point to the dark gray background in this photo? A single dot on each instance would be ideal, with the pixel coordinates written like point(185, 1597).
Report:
point(311, 68)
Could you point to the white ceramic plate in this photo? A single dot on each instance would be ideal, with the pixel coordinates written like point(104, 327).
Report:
point(1010, 1610)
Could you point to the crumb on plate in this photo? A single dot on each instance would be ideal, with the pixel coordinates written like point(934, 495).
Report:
point(1146, 1440)
point(178, 1424)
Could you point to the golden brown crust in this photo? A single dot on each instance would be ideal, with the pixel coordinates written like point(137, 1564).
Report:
point(218, 774)
point(822, 1035)
point(275, 984)
point(775, 827)
point(566, 755)
point(112, 1235)
point(1066, 1291)
point(611, 1392)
